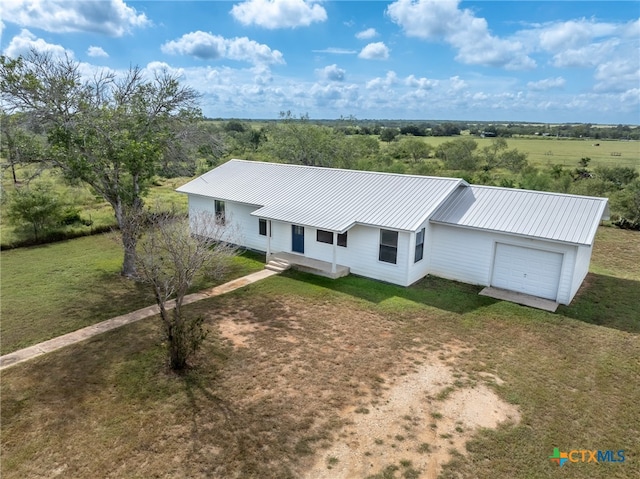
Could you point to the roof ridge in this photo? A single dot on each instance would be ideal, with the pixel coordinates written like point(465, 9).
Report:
point(326, 168)
point(550, 193)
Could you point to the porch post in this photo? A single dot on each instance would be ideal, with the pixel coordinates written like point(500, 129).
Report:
point(335, 252)
point(268, 239)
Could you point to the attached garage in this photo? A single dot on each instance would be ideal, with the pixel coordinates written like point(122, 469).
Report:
point(527, 270)
point(531, 242)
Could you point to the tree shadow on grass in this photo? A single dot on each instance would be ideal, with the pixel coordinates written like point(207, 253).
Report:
point(240, 435)
point(61, 381)
point(607, 301)
point(436, 292)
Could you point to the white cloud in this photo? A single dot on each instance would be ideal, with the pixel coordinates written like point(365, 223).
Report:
point(367, 34)
point(586, 56)
point(157, 67)
point(618, 75)
point(374, 51)
point(274, 14)
point(97, 52)
point(428, 19)
point(442, 20)
point(243, 49)
point(572, 34)
point(457, 84)
point(207, 46)
point(546, 84)
point(388, 81)
point(631, 98)
point(420, 83)
point(632, 29)
point(202, 45)
point(109, 17)
point(25, 41)
point(336, 51)
point(334, 96)
point(332, 73)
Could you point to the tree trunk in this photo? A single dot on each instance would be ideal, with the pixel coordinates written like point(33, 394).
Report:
point(128, 222)
point(129, 260)
point(13, 173)
point(178, 347)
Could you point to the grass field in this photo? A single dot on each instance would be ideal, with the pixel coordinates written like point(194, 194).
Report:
point(92, 208)
point(547, 151)
point(311, 355)
point(53, 289)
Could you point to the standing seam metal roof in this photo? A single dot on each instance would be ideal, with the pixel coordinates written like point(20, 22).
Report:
point(537, 214)
point(326, 198)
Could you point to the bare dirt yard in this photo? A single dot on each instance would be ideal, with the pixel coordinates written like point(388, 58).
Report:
point(413, 417)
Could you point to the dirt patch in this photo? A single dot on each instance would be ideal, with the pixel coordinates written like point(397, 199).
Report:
point(415, 426)
point(402, 411)
point(238, 332)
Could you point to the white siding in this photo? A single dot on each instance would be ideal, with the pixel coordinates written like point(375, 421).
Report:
point(361, 254)
point(281, 237)
point(241, 227)
point(364, 249)
point(460, 254)
point(420, 269)
point(583, 257)
point(467, 255)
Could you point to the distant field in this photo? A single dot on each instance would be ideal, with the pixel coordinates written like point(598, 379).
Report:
point(567, 152)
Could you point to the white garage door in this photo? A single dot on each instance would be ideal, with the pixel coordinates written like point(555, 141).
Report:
point(527, 270)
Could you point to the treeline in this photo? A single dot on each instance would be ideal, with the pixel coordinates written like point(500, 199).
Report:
point(388, 129)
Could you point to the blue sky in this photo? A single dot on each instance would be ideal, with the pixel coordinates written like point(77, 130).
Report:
point(538, 61)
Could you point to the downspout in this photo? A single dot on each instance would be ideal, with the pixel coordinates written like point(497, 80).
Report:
point(268, 239)
point(410, 257)
point(335, 252)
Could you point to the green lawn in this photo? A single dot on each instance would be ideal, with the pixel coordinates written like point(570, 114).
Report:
point(53, 289)
point(312, 348)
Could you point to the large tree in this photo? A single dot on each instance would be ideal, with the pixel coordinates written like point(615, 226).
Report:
point(299, 142)
point(110, 131)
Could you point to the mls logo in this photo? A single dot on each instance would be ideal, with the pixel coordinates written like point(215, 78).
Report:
point(559, 457)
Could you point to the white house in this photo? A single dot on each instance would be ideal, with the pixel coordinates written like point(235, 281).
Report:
point(400, 228)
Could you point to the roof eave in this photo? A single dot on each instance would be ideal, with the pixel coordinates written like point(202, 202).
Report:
point(511, 233)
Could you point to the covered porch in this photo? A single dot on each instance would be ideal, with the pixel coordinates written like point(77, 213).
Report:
point(281, 261)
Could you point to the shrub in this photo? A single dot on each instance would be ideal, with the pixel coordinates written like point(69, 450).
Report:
point(35, 210)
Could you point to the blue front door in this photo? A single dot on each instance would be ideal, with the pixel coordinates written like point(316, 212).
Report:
point(297, 239)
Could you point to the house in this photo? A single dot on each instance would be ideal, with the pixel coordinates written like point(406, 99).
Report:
point(400, 228)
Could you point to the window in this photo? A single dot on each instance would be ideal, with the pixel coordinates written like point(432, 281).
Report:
point(342, 239)
point(219, 206)
point(327, 237)
point(262, 227)
point(388, 246)
point(324, 236)
point(419, 245)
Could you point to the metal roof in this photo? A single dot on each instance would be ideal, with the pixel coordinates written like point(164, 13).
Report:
point(326, 198)
point(537, 214)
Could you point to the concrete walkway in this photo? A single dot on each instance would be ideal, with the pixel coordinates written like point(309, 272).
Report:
point(45, 347)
